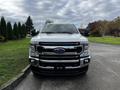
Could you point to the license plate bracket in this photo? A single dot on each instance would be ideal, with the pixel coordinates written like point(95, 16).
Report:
point(59, 68)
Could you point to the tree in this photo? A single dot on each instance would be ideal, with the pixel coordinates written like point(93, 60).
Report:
point(0, 29)
point(93, 28)
point(3, 28)
point(9, 29)
point(116, 30)
point(24, 32)
point(15, 31)
point(29, 25)
point(103, 27)
point(19, 30)
point(98, 28)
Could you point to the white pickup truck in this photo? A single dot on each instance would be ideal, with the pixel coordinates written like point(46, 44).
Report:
point(59, 49)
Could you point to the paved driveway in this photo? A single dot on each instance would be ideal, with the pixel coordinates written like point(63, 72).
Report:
point(103, 74)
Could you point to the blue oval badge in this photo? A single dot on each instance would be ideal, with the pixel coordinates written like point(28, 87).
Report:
point(59, 50)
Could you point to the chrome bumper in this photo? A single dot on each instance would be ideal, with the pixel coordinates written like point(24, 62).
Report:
point(84, 61)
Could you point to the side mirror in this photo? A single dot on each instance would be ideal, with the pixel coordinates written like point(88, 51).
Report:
point(34, 33)
point(84, 32)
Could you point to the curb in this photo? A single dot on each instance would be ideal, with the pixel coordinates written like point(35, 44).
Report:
point(11, 84)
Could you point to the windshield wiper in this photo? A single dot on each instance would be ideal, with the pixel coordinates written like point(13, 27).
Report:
point(48, 32)
point(66, 32)
point(57, 32)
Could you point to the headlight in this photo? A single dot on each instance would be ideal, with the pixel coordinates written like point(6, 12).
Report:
point(86, 46)
point(85, 53)
point(85, 50)
point(32, 51)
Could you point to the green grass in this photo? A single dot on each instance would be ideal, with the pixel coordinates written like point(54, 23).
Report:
point(13, 58)
point(105, 40)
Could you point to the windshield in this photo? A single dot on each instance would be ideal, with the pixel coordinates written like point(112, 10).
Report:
point(60, 28)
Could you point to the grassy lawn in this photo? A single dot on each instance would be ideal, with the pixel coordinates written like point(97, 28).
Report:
point(13, 58)
point(106, 40)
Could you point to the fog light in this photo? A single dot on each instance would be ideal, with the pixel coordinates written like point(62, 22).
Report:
point(35, 63)
point(32, 61)
point(86, 61)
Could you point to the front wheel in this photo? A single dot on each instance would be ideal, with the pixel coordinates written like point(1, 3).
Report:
point(33, 71)
point(85, 69)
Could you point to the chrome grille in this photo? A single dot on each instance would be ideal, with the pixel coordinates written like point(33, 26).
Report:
point(72, 52)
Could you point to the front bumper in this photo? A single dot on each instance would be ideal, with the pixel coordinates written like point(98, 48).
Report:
point(58, 70)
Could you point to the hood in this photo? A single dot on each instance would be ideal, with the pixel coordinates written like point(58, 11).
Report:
point(59, 38)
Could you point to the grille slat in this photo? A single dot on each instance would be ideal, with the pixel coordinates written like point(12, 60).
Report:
point(59, 57)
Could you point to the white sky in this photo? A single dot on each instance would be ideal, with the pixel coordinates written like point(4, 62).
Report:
point(79, 12)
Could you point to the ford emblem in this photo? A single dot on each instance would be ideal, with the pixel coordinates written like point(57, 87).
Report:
point(59, 50)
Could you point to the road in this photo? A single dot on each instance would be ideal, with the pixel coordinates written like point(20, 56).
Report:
point(103, 74)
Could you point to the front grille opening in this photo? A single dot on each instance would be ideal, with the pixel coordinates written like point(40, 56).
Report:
point(79, 49)
point(59, 43)
point(40, 49)
point(60, 64)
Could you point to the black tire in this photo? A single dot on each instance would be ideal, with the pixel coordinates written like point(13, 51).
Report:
point(36, 74)
point(85, 69)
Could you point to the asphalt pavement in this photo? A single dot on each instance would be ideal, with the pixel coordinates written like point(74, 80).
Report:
point(103, 73)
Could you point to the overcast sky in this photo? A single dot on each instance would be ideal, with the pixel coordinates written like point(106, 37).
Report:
point(79, 12)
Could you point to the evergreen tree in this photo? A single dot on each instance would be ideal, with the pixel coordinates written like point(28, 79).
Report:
point(15, 31)
point(29, 25)
point(19, 30)
point(9, 29)
point(24, 32)
point(0, 29)
point(3, 28)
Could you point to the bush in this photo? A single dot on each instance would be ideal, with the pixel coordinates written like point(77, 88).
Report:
point(2, 39)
